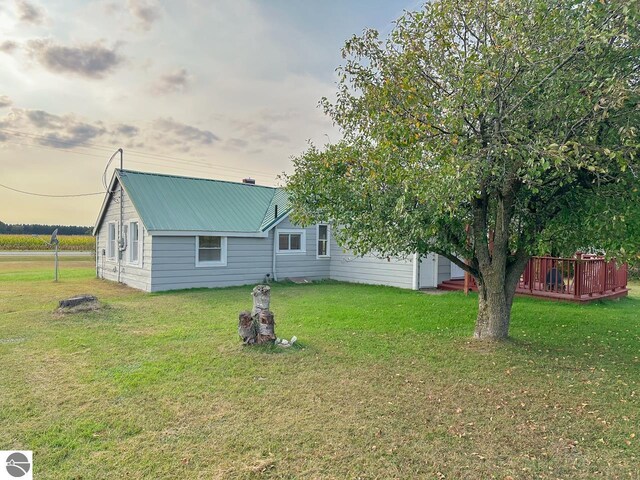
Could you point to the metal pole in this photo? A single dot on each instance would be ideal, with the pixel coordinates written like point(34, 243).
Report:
point(121, 240)
point(56, 264)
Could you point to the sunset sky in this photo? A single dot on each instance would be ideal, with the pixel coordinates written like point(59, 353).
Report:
point(220, 89)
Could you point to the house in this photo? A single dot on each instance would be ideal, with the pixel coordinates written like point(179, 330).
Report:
point(163, 232)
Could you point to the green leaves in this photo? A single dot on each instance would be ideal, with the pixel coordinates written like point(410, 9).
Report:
point(468, 105)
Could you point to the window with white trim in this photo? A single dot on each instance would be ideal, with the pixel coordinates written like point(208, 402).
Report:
point(211, 251)
point(134, 242)
point(322, 231)
point(291, 241)
point(111, 241)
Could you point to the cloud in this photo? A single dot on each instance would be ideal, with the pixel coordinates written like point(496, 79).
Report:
point(58, 131)
point(260, 132)
point(42, 119)
point(30, 13)
point(126, 130)
point(8, 46)
point(145, 11)
point(91, 60)
point(5, 101)
point(236, 143)
point(172, 82)
point(62, 131)
point(181, 135)
point(73, 135)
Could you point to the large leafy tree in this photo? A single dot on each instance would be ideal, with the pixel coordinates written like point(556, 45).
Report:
point(485, 131)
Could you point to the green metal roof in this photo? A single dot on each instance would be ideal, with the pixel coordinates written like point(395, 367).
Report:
point(174, 203)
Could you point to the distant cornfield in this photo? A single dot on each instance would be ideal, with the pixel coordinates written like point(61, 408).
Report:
point(28, 242)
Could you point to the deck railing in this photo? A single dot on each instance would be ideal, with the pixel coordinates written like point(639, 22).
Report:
point(580, 277)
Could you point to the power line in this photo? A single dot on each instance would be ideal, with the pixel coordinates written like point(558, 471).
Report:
point(155, 163)
point(55, 196)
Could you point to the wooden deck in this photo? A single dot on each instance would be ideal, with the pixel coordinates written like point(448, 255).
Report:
point(581, 279)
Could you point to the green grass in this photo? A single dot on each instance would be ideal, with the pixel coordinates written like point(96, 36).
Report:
point(385, 383)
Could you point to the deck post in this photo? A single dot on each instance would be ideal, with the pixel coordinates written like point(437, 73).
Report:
point(532, 267)
point(577, 279)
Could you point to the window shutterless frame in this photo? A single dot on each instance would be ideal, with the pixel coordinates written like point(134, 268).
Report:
point(290, 241)
point(208, 247)
point(134, 242)
point(112, 241)
point(322, 241)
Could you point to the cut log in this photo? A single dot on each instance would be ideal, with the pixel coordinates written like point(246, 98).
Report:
point(247, 328)
point(258, 326)
point(266, 327)
point(78, 300)
point(261, 298)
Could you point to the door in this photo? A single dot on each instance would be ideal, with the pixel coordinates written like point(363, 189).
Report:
point(456, 271)
point(428, 271)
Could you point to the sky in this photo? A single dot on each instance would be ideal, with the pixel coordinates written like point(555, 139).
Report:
point(220, 89)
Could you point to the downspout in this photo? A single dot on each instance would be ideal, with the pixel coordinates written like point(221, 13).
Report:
point(273, 261)
point(97, 256)
point(436, 267)
point(415, 284)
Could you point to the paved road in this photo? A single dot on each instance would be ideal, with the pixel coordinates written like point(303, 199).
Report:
point(37, 253)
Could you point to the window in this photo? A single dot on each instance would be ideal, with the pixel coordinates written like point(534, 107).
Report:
point(211, 251)
point(323, 241)
point(291, 241)
point(111, 241)
point(134, 242)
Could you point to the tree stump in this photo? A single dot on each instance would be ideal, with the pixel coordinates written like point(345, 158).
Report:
point(266, 327)
point(261, 298)
point(258, 326)
point(247, 328)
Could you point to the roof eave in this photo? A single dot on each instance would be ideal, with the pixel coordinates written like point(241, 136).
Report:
point(208, 233)
point(276, 221)
point(105, 203)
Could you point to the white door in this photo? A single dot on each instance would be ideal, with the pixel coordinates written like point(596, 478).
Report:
point(456, 271)
point(428, 271)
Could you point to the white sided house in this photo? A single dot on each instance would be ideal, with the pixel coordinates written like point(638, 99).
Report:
point(163, 232)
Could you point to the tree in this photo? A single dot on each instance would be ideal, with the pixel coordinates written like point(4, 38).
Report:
point(485, 131)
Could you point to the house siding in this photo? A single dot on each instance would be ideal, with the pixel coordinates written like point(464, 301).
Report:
point(249, 260)
point(136, 276)
point(347, 267)
point(174, 263)
point(301, 264)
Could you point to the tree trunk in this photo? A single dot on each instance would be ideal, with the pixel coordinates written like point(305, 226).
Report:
point(496, 291)
point(494, 313)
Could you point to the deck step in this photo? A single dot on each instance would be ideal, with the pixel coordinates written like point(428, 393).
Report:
point(452, 285)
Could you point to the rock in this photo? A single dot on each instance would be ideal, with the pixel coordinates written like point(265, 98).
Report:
point(294, 339)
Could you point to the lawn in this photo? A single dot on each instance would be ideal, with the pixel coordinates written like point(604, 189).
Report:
point(385, 383)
